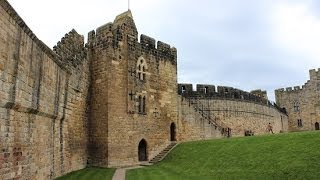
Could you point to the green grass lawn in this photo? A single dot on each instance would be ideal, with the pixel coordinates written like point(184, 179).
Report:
point(282, 156)
point(93, 173)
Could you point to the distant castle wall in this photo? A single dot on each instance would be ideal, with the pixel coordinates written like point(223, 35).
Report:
point(43, 102)
point(232, 108)
point(210, 91)
point(301, 103)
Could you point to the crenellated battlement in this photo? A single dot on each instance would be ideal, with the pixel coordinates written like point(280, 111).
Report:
point(211, 91)
point(224, 92)
point(157, 48)
point(25, 28)
point(161, 46)
point(147, 41)
point(104, 29)
point(260, 93)
point(314, 74)
point(297, 89)
point(290, 89)
point(123, 30)
point(71, 49)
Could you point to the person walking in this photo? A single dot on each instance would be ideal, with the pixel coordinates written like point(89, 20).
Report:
point(269, 128)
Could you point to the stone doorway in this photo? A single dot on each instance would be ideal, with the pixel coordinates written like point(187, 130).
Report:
point(142, 150)
point(316, 125)
point(172, 132)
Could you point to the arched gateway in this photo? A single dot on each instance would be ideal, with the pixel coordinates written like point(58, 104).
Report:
point(142, 150)
point(316, 125)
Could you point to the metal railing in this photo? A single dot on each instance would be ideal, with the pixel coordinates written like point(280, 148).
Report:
point(205, 112)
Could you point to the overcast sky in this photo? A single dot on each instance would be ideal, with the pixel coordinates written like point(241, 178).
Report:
point(247, 44)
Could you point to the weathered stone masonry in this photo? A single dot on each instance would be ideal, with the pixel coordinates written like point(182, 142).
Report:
point(42, 102)
point(231, 108)
point(133, 93)
point(110, 102)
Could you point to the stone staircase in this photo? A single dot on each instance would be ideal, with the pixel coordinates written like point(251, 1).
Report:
point(163, 153)
point(204, 111)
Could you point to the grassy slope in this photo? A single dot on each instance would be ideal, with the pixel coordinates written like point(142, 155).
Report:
point(283, 156)
point(93, 173)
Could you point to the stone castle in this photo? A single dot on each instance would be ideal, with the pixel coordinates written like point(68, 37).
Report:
point(113, 101)
point(302, 103)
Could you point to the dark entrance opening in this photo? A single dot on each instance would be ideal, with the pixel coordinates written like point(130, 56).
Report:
point(172, 132)
point(142, 150)
point(316, 125)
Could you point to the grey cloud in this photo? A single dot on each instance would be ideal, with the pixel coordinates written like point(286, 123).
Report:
point(220, 42)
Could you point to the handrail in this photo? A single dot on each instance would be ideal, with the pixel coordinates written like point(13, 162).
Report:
point(199, 107)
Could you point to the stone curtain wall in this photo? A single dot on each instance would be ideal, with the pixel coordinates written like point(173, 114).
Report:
point(43, 131)
point(306, 98)
point(235, 114)
point(243, 115)
point(193, 126)
point(227, 107)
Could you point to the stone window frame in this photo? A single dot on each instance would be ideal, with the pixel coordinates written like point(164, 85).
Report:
point(296, 106)
point(142, 68)
point(142, 99)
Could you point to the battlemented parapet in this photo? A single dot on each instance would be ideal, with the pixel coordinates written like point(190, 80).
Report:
point(147, 41)
point(229, 110)
point(260, 93)
point(295, 89)
point(205, 88)
point(185, 89)
point(123, 29)
point(314, 74)
point(210, 91)
point(71, 49)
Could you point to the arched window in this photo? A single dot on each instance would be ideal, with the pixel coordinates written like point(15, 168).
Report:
point(141, 69)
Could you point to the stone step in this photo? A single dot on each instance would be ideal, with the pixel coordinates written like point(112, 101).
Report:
point(163, 153)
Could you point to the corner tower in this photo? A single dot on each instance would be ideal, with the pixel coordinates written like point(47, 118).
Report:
point(133, 94)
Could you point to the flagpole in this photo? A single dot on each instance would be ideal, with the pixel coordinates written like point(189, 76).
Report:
point(128, 4)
